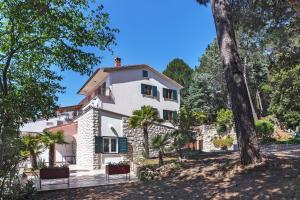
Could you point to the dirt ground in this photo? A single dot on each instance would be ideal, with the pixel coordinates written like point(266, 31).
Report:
point(211, 176)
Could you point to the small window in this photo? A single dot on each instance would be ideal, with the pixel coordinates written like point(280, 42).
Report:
point(110, 145)
point(113, 145)
point(169, 94)
point(149, 90)
point(169, 115)
point(145, 74)
point(106, 145)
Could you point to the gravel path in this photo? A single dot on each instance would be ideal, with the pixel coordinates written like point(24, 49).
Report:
point(211, 177)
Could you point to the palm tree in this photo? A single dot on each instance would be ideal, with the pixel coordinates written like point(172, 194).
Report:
point(32, 148)
point(50, 139)
point(144, 118)
point(159, 142)
point(184, 123)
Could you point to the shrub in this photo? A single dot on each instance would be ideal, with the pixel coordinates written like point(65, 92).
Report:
point(223, 143)
point(224, 120)
point(264, 128)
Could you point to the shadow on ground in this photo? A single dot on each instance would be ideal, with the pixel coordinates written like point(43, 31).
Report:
point(213, 176)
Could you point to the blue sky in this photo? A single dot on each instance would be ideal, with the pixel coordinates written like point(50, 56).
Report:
point(151, 32)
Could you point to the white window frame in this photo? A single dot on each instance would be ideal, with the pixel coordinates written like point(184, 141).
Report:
point(109, 145)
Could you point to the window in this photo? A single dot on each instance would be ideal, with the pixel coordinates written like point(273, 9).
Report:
point(149, 90)
point(110, 145)
point(169, 94)
point(145, 74)
point(169, 115)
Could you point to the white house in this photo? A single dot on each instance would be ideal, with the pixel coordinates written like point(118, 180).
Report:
point(111, 95)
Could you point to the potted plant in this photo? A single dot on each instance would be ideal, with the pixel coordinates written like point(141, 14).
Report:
point(53, 172)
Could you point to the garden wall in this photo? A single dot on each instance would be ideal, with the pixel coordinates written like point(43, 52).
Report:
point(206, 133)
point(136, 139)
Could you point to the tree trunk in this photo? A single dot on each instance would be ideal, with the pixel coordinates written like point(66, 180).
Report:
point(248, 91)
point(51, 155)
point(180, 153)
point(232, 64)
point(146, 142)
point(160, 158)
point(33, 159)
point(1, 146)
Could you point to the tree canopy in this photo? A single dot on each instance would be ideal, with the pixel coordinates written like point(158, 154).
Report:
point(180, 72)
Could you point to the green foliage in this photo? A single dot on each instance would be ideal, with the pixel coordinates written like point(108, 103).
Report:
point(285, 102)
point(37, 35)
point(32, 147)
point(159, 142)
point(38, 40)
point(22, 192)
point(10, 166)
point(143, 117)
point(41, 163)
point(264, 128)
point(208, 91)
point(180, 72)
point(49, 138)
point(224, 120)
point(223, 142)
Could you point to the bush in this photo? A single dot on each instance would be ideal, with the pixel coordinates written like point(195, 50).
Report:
point(223, 143)
point(224, 120)
point(264, 128)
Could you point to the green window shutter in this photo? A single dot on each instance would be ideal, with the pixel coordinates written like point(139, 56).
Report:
point(122, 145)
point(164, 92)
point(174, 115)
point(165, 114)
point(174, 94)
point(154, 90)
point(98, 144)
point(145, 74)
point(143, 89)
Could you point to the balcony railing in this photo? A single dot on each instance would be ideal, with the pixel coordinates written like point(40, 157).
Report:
point(104, 92)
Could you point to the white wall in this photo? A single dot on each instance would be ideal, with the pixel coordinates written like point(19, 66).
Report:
point(127, 97)
point(39, 125)
point(111, 124)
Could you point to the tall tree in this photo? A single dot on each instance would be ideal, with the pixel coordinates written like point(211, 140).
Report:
point(285, 102)
point(144, 118)
point(232, 65)
point(180, 72)
point(208, 92)
point(38, 39)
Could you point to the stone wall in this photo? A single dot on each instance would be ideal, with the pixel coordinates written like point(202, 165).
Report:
point(88, 128)
point(207, 132)
point(136, 139)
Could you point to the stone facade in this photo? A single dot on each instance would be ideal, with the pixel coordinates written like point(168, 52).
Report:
point(206, 133)
point(135, 139)
point(88, 128)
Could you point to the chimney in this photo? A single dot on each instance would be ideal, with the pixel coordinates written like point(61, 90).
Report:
point(117, 62)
